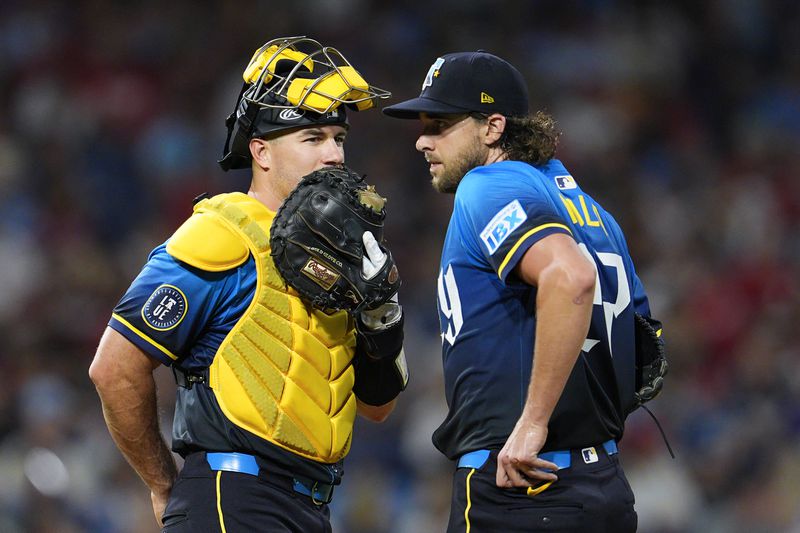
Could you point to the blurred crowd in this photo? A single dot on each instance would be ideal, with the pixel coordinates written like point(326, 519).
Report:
point(682, 118)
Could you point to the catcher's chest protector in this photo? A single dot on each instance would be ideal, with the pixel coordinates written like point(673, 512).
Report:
point(283, 372)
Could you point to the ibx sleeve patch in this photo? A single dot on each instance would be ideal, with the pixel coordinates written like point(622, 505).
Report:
point(165, 308)
point(502, 225)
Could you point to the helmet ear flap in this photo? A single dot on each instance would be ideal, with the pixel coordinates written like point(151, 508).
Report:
point(236, 153)
point(233, 157)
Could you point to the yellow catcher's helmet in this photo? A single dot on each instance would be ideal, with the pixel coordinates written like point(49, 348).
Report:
point(292, 82)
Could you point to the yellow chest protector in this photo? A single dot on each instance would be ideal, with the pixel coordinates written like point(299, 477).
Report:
point(283, 372)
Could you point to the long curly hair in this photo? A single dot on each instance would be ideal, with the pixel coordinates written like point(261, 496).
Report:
point(532, 139)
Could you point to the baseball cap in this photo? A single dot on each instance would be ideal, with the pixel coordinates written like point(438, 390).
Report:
point(467, 81)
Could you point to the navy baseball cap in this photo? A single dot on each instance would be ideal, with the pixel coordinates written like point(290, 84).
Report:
point(468, 81)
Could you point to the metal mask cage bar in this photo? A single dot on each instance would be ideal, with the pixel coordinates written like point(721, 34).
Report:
point(331, 61)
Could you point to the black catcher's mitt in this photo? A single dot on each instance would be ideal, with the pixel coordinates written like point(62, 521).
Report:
point(317, 245)
point(651, 361)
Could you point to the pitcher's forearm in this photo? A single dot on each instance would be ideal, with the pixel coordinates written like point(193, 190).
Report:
point(564, 310)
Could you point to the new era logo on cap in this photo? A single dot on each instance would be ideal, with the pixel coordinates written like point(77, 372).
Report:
point(486, 99)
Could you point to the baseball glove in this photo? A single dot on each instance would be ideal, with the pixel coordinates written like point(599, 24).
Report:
point(651, 361)
point(317, 241)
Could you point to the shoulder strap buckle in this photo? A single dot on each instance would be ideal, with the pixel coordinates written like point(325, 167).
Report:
point(188, 379)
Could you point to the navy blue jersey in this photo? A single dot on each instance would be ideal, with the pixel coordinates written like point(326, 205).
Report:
point(488, 320)
point(175, 312)
point(180, 315)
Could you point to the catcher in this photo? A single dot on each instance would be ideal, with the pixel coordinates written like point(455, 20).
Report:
point(279, 328)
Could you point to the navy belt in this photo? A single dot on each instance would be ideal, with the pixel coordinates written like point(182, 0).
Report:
point(246, 464)
point(562, 458)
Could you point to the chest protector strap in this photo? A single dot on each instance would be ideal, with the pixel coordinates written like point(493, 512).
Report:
point(283, 372)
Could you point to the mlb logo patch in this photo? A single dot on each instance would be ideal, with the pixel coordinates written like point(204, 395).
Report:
point(565, 182)
point(502, 225)
point(589, 455)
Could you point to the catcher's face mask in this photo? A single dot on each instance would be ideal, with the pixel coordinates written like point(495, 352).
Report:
point(289, 83)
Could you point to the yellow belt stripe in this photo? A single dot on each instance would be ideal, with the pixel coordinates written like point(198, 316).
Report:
point(219, 504)
point(469, 500)
point(145, 337)
point(514, 248)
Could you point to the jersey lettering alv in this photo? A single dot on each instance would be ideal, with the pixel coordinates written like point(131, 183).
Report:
point(488, 320)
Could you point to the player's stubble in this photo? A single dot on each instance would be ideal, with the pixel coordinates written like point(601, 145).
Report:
point(474, 154)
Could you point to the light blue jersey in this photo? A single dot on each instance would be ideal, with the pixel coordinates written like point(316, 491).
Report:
point(487, 314)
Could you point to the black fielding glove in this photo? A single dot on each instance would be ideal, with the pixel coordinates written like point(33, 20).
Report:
point(324, 238)
point(651, 361)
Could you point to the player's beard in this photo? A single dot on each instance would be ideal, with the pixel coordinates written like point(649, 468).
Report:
point(473, 155)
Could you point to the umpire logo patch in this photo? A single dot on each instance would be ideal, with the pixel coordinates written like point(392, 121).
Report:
point(500, 227)
point(165, 308)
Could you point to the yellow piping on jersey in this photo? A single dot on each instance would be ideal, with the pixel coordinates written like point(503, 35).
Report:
point(514, 248)
point(145, 337)
point(284, 371)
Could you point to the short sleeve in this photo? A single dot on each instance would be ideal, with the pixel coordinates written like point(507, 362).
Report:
point(168, 307)
point(506, 212)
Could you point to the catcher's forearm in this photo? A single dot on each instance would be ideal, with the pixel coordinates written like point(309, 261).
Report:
point(123, 376)
point(380, 343)
point(379, 381)
point(375, 413)
point(130, 411)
